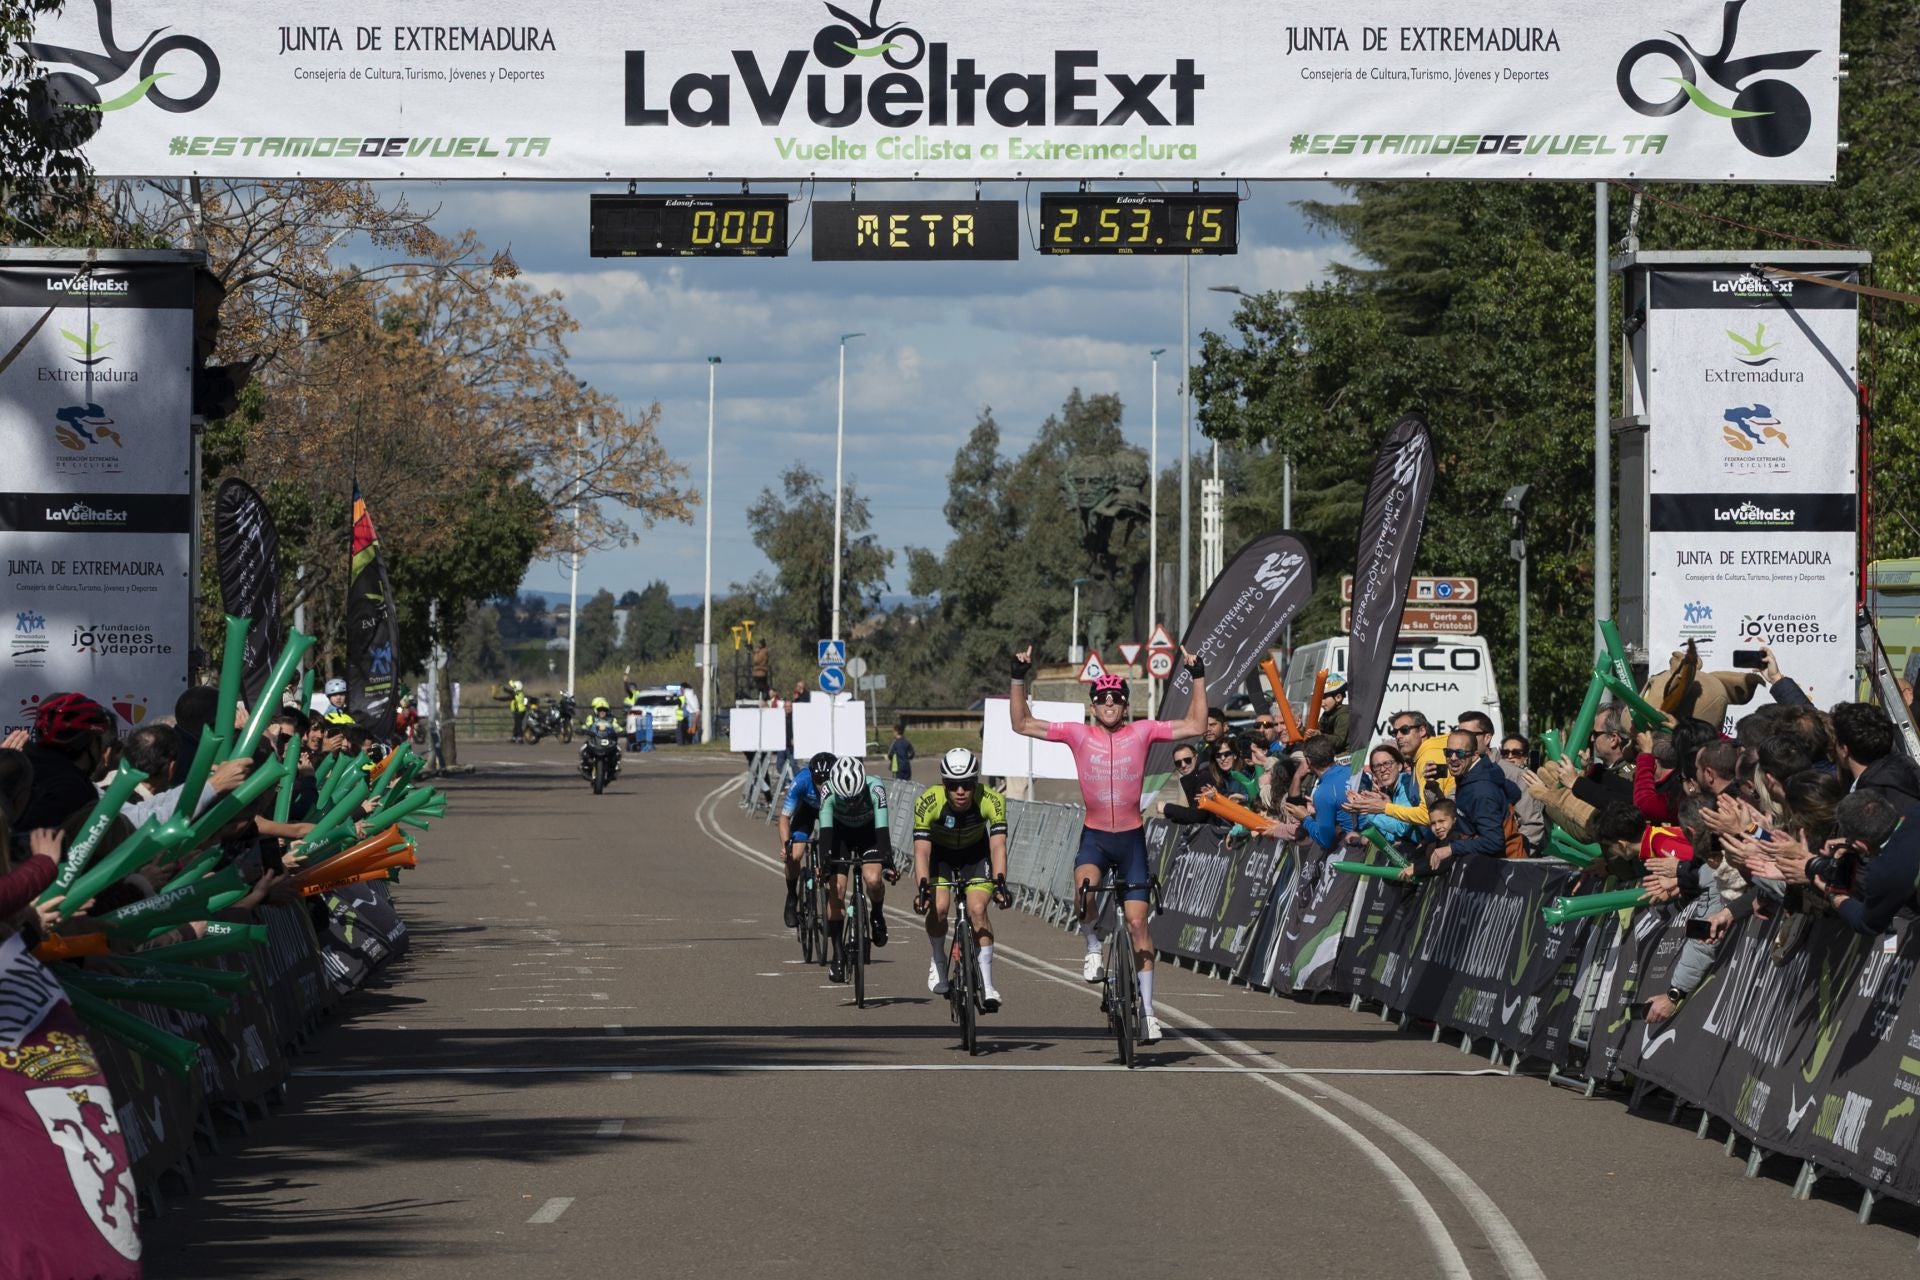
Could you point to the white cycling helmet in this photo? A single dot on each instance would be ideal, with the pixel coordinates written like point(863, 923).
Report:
point(848, 779)
point(336, 685)
point(959, 765)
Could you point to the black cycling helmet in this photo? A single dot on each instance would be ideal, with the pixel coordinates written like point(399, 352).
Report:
point(820, 766)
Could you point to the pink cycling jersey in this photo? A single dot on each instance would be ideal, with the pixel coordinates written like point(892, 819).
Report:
point(1112, 767)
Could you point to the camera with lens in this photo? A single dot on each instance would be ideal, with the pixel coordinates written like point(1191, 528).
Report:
point(1836, 863)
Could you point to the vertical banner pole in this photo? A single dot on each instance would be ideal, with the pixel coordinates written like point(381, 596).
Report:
point(1602, 443)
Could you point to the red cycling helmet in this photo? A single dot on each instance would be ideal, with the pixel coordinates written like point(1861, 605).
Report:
point(1110, 684)
point(66, 719)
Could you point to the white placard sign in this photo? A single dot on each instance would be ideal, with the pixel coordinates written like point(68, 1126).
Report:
point(1753, 450)
point(819, 725)
point(96, 511)
point(756, 729)
point(696, 89)
point(1011, 755)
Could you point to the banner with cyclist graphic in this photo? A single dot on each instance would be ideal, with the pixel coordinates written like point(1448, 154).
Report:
point(247, 546)
point(96, 511)
point(1680, 90)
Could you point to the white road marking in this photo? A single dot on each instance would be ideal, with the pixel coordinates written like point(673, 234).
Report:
point(1499, 1231)
point(551, 1210)
point(623, 1075)
point(597, 995)
point(866, 1068)
point(610, 1128)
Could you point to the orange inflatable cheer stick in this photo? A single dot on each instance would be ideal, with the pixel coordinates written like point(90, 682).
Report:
point(311, 890)
point(61, 947)
point(354, 859)
point(1233, 811)
point(1280, 702)
point(1313, 708)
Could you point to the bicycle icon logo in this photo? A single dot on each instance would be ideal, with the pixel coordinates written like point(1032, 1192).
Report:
point(69, 108)
point(838, 43)
point(1769, 117)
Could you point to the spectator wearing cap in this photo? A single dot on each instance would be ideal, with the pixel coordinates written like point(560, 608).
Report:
point(71, 734)
point(1868, 759)
point(1335, 717)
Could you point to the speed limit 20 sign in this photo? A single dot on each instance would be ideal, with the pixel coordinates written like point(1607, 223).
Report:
point(1160, 664)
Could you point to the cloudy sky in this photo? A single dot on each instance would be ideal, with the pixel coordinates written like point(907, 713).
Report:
point(945, 340)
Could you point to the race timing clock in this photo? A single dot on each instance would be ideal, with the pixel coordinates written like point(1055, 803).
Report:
point(705, 226)
point(1139, 222)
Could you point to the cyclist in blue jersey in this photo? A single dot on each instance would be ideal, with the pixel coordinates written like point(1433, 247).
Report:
point(798, 814)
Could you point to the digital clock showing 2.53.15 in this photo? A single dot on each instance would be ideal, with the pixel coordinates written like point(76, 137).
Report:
point(1139, 222)
point(729, 226)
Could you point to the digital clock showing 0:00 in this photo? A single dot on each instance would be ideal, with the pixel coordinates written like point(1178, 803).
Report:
point(1139, 222)
point(738, 226)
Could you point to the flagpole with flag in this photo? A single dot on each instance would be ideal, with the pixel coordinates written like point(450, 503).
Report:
point(372, 630)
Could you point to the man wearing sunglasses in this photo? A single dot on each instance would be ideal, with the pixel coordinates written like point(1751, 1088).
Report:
point(1483, 810)
point(1413, 734)
point(1110, 756)
point(1529, 815)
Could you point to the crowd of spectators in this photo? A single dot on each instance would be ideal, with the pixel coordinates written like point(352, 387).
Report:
point(1794, 812)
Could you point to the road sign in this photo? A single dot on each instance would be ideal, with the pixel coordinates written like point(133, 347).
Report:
point(1159, 664)
point(833, 653)
point(1426, 620)
point(1093, 668)
point(1131, 652)
point(706, 655)
point(833, 679)
point(856, 667)
point(1160, 639)
point(1448, 591)
point(872, 682)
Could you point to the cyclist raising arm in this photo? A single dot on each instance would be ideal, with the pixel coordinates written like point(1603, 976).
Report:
point(1111, 758)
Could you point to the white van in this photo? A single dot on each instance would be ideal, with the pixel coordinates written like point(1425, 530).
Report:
point(1439, 675)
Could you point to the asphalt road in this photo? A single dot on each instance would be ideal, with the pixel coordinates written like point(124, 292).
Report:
point(603, 1057)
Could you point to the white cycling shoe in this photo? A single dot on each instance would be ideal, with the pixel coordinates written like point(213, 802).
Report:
point(936, 980)
point(990, 999)
point(1150, 1030)
point(1093, 969)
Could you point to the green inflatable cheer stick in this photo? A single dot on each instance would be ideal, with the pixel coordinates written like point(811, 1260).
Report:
point(135, 851)
point(1582, 732)
point(232, 659)
point(306, 691)
point(105, 810)
point(1590, 848)
point(1568, 854)
point(227, 980)
point(297, 645)
point(1616, 652)
point(1368, 869)
point(258, 782)
point(1555, 749)
point(1561, 910)
point(426, 798)
point(1373, 837)
point(164, 910)
point(171, 993)
point(189, 802)
point(337, 816)
point(1644, 712)
point(289, 777)
point(170, 1051)
point(194, 870)
point(222, 939)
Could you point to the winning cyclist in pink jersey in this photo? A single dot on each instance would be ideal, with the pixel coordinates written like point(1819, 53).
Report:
point(1111, 757)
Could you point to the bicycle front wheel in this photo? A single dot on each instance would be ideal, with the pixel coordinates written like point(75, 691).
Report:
point(966, 986)
point(857, 938)
point(1125, 999)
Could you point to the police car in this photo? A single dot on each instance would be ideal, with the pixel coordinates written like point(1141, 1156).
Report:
point(662, 706)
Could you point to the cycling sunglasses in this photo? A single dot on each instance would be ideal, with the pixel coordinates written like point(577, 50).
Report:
point(1110, 696)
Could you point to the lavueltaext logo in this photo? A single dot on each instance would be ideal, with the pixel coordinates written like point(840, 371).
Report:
point(1769, 117)
point(1757, 346)
point(949, 90)
point(68, 105)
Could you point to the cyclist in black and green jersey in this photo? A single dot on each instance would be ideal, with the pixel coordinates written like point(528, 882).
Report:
point(853, 822)
point(960, 830)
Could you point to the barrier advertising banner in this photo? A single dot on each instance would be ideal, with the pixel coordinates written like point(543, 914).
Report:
point(1212, 890)
point(1691, 90)
point(1752, 406)
point(96, 511)
point(1391, 519)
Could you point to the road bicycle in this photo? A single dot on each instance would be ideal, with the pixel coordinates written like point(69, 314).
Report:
point(856, 923)
point(1120, 989)
point(965, 1000)
point(811, 923)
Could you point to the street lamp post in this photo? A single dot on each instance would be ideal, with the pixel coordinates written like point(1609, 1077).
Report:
point(1074, 652)
point(1186, 441)
point(839, 450)
point(1153, 497)
point(706, 647)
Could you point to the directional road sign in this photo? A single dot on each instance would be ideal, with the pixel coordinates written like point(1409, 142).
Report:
point(833, 679)
point(1448, 591)
point(1130, 652)
point(1093, 668)
point(872, 682)
point(1159, 664)
point(1425, 620)
point(833, 653)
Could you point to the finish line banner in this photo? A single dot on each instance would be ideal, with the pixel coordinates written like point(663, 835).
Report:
point(1687, 91)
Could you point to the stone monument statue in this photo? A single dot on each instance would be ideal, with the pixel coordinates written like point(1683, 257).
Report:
point(1109, 497)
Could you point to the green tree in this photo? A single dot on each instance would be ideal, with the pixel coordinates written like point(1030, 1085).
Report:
point(652, 624)
point(794, 529)
point(593, 634)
